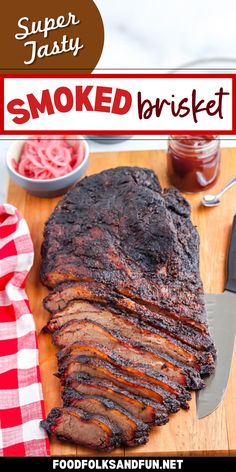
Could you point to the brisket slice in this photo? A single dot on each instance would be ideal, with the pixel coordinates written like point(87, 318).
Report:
point(88, 332)
point(142, 371)
point(125, 325)
point(99, 368)
point(129, 327)
point(142, 408)
point(133, 431)
point(115, 347)
point(80, 427)
point(60, 297)
point(117, 228)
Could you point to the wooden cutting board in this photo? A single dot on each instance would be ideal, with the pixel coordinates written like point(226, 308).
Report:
point(184, 434)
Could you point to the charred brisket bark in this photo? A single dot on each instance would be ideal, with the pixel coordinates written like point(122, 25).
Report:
point(126, 236)
point(127, 306)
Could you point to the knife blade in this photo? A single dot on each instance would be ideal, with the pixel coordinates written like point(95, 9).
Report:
point(221, 311)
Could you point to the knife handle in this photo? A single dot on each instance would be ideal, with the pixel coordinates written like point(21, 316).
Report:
point(231, 267)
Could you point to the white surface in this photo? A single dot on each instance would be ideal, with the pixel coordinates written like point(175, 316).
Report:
point(166, 34)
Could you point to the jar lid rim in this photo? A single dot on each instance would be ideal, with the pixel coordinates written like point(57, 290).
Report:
point(191, 137)
point(184, 148)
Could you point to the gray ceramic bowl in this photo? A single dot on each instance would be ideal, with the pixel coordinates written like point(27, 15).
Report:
point(45, 188)
point(109, 138)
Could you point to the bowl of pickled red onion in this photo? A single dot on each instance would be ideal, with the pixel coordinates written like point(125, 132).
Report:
point(46, 166)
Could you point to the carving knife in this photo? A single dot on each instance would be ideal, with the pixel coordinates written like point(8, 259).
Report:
point(221, 311)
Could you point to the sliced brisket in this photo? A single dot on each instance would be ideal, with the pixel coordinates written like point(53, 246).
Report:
point(142, 408)
point(88, 332)
point(99, 368)
point(122, 259)
point(138, 333)
point(141, 371)
point(67, 291)
point(133, 431)
point(77, 426)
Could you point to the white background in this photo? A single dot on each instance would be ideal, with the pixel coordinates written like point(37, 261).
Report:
point(167, 33)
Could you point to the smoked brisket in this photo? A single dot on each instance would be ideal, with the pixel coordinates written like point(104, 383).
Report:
point(121, 258)
point(144, 409)
point(133, 431)
point(77, 426)
point(94, 367)
point(114, 344)
point(138, 332)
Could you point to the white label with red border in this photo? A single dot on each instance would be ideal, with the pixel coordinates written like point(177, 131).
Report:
point(118, 104)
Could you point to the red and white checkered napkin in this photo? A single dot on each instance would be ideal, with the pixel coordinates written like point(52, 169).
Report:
point(21, 401)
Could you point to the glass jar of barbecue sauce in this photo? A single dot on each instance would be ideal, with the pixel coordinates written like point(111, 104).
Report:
point(193, 162)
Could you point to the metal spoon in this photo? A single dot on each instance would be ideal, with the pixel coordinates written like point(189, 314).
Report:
point(214, 200)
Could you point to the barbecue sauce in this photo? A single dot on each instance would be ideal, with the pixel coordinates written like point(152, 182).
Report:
point(193, 162)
